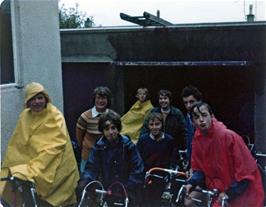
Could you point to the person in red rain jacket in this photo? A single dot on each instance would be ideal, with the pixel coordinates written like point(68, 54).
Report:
point(221, 160)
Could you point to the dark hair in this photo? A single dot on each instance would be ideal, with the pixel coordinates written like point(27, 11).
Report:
point(197, 105)
point(155, 115)
point(111, 116)
point(191, 91)
point(164, 92)
point(47, 99)
point(104, 92)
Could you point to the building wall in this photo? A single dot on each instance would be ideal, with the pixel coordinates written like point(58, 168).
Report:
point(36, 49)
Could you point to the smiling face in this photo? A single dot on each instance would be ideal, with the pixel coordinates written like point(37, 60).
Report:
point(110, 131)
point(164, 102)
point(202, 118)
point(100, 103)
point(155, 126)
point(37, 103)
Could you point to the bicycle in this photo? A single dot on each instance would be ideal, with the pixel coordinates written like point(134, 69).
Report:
point(173, 179)
point(23, 193)
point(210, 196)
point(183, 164)
point(96, 195)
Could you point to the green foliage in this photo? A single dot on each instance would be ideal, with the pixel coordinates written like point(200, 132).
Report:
point(74, 18)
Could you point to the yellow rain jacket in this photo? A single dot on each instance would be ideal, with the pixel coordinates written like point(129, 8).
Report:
point(40, 151)
point(133, 120)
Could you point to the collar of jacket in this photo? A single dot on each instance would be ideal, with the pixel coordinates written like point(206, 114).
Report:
point(104, 144)
point(173, 110)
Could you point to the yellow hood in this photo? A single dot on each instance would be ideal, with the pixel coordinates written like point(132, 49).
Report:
point(32, 89)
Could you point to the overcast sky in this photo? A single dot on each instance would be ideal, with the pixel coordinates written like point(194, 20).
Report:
point(106, 12)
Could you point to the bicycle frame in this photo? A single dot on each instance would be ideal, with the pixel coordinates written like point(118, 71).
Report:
point(103, 193)
point(170, 179)
point(211, 194)
point(17, 186)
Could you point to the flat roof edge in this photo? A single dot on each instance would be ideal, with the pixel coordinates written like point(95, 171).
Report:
point(189, 25)
point(87, 59)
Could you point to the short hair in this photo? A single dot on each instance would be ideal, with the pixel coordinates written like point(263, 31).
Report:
point(191, 91)
point(197, 105)
point(167, 93)
point(104, 92)
point(155, 115)
point(146, 91)
point(111, 116)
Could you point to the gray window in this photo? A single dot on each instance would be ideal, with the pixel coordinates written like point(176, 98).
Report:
point(6, 51)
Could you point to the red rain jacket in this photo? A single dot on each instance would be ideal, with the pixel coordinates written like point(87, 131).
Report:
point(224, 158)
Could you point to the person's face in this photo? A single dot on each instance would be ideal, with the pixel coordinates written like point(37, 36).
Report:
point(37, 103)
point(141, 95)
point(101, 103)
point(110, 131)
point(189, 101)
point(164, 102)
point(202, 119)
point(155, 127)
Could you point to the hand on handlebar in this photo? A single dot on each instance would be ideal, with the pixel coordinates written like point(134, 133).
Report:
point(17, 182)
point(222, 198)
point(188, 188)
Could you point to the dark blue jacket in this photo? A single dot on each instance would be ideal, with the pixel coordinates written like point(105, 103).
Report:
point(190, 132)
point(174, 125)
point(119, 163)
point(160, 153)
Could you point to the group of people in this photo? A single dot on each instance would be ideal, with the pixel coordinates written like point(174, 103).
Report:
point(121, 149)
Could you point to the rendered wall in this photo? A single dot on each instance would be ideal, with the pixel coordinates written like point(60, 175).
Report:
point(37, 57)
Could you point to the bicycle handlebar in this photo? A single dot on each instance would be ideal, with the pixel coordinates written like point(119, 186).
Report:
point(17, 183)
point(11, 178)
point(104, 192)
point(213, 193)
point(210, 193)
point(170, 171)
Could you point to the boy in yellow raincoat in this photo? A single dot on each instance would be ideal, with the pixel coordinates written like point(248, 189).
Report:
point(40, 150)
point(133, 120)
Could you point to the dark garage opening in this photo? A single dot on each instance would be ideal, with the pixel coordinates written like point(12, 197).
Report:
point(229, 90)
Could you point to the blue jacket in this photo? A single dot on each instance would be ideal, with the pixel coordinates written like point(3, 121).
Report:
point(119, 163)
point(190, 135)
point(174, 125)
point(160, 153)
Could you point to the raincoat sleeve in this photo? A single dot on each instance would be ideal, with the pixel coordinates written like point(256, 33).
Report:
point(197, 178)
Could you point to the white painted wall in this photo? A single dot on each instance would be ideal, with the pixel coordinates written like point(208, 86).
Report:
point(37, 57)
